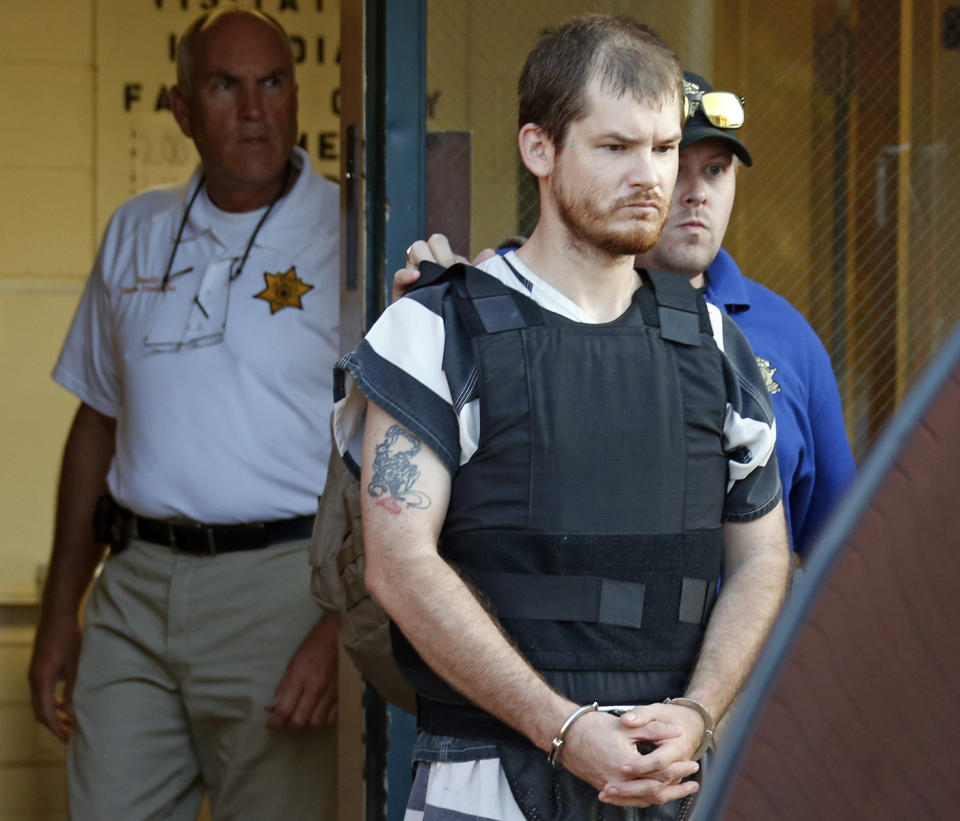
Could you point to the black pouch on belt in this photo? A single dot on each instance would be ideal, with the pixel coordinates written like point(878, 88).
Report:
point(109, 525)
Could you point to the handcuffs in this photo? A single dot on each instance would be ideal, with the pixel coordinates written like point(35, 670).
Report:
point(619, 709)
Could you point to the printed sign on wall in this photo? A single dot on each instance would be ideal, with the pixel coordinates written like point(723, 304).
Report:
point(139, 145)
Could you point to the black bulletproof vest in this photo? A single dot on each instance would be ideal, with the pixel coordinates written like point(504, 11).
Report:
point(589, 517)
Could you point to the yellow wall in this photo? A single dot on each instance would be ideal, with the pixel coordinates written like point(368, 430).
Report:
point(32, 776)
point(46, 244)
point(47, 240)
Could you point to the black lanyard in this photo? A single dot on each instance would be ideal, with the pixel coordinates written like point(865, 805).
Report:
point(253, 236)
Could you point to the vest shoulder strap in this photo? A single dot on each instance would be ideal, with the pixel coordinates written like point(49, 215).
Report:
point(430, 274)
point(485, 304)
point(681, 309)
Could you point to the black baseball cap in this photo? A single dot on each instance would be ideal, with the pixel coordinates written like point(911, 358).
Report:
point(698, 127)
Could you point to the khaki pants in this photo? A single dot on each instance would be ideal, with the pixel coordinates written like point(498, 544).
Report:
point(180, 655)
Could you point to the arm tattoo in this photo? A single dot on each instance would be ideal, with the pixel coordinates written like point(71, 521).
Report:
point(394, 472)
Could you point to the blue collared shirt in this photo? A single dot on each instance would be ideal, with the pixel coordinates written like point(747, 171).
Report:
point(813, 452)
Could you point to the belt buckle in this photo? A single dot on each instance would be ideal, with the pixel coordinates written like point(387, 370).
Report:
point(186, 547)
point(211, 542)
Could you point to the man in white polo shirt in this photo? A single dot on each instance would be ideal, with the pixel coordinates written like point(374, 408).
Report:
point(202, 353)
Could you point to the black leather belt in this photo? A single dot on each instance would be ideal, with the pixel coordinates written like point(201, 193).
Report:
point(213, 539)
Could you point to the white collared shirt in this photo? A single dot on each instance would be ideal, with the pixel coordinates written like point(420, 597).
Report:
point(220, 433)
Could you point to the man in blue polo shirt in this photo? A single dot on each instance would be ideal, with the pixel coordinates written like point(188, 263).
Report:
point(812, 448)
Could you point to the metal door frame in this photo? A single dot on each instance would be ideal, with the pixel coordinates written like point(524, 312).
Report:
point(383, 132)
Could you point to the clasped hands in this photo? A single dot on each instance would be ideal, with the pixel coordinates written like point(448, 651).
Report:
point(602, 749)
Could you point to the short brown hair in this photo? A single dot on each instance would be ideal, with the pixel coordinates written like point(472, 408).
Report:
point(188, 40)
point(626, 56)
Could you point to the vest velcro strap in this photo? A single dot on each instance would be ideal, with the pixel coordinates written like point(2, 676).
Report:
point(679, 326)
point(697, 597)
point(488, 306)
point(559, 598)
point(499, 313)
point(678, 306)
point(499, 307)
point(673, 290)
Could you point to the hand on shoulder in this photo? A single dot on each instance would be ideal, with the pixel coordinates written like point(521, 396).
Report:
point(435, 249)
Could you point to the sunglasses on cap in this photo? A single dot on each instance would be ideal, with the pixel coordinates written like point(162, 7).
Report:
point(724, 109)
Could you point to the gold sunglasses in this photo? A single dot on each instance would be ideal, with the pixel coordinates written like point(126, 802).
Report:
point(724, 109)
